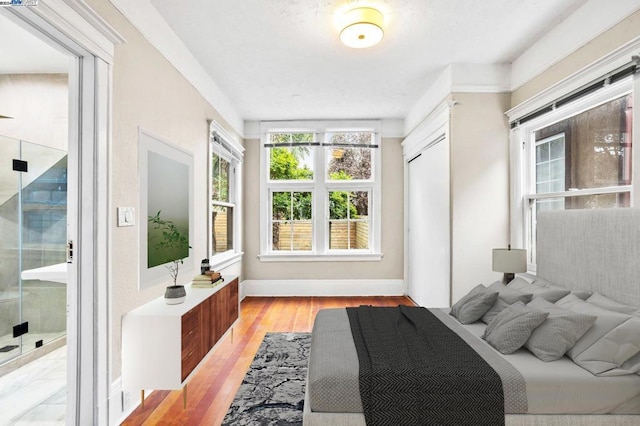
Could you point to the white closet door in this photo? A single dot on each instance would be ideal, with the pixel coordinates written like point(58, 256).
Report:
point(429, 227)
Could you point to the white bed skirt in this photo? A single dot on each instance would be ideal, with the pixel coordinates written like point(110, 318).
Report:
point(357, 419)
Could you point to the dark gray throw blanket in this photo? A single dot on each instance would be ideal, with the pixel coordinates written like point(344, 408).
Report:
point(414, 370)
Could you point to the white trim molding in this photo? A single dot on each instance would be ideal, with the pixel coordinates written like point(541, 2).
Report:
point(615, 59)
point(389, 128)
point(433, 125)
point(90, 41)
point(154, 28)
point(588, 22)
point(320, 186)
point(359, 287)
point(458, 78)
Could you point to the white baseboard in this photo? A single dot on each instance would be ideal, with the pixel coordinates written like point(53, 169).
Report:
point(273, 288)
point(122, 404)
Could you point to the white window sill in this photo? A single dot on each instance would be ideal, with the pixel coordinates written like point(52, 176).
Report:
point(224, 260)
point(342, 257)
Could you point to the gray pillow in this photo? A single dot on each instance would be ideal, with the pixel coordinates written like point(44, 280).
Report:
point(559, 332)
point(611, 305)
point(506, 297)
point(610, 347)
point(582, 294)
point(550, 292)
point(512, 327)
point(474, 305)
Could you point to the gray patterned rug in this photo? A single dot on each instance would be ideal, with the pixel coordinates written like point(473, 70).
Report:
point(272, 392)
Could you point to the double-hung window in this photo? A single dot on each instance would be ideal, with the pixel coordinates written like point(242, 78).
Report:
point(320, 191)
point(225, 162)
point(577, 155)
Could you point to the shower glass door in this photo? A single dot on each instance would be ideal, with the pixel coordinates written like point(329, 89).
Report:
point(33, 209)
point(9, 250)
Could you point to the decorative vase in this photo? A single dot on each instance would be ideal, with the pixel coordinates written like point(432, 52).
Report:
point(175, 294)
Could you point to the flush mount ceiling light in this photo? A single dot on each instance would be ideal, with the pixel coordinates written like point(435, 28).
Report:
point(362, 27)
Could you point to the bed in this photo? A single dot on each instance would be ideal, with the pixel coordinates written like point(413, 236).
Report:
point(584, 251)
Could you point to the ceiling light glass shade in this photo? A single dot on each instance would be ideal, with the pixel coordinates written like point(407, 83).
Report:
point(363, 28)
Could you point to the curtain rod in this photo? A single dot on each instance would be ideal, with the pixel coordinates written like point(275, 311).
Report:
point(611, 77)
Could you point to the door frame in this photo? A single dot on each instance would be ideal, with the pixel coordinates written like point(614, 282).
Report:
point(435, 125)
point(76, 29)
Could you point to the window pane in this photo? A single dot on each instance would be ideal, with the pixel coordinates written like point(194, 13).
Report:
point(345, 235)
point(302, 235)
point(281, 206)
point(348, 220)
point(542, 188)
point(598, 146)
point(542, 172)
point(349, 163)
point(346, 162)
point(276, 138)
point(292, 228)
point(338, 235)
point(556, 169)
point(339, 205)
point(222, 235)
point(301, 204)
point(351, 138)
point(550, 164)
point(556, 185)
point(219, 178)
point(557, 148)
point(292, 235)
point(291, 163)
point(360, 199)
point(361, 234)
point(599, 201)
point(542, 153)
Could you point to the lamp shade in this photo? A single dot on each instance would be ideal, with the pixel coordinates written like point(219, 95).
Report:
point(362, 27)
point(509, 260)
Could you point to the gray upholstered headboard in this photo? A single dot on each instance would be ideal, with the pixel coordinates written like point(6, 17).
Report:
point(595, 250)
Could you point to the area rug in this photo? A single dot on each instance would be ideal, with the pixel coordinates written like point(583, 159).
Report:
point(272, 392)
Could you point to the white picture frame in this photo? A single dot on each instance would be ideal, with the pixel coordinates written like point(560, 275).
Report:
point(165, 174)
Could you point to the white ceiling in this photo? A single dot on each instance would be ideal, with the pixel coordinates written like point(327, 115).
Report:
point(282, 59)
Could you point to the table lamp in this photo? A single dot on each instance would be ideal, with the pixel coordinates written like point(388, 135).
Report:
point(509, 261)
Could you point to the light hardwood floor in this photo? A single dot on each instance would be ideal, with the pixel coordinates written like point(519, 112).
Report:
point(211, 391)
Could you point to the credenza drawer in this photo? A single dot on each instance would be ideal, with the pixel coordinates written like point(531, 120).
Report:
point(189, 361)
point(190, 320)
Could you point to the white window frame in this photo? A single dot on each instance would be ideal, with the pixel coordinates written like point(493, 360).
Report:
point(226, 147)
point(522, 144)
point(320, 187)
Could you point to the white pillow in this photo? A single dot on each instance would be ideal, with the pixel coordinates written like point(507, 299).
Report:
point(611, 305)
point(613, 340)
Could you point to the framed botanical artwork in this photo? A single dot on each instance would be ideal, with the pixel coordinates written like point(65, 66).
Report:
point(166, 210)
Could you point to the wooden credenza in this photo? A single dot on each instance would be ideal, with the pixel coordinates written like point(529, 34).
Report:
point(162, 345)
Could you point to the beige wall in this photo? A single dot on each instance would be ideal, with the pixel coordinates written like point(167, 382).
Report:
point(149, 93)
point(391, 265)
point(479, 187)
point(625, 31)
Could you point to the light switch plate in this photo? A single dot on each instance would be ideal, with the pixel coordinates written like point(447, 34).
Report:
point(126, 216)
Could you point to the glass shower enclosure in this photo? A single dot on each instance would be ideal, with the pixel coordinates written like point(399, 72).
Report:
point(33, 232)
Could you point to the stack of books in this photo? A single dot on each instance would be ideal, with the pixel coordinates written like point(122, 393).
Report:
point(207, 280)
